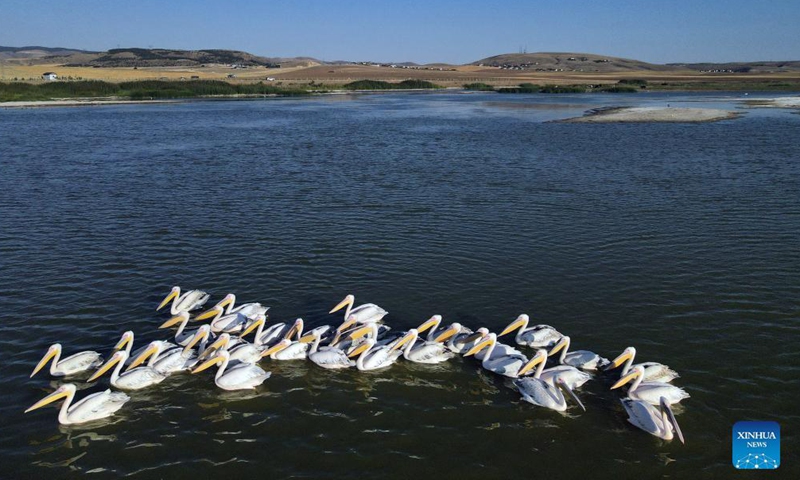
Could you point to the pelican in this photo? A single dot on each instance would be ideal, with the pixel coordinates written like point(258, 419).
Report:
point(650, 392)
point(463, 341)
point(653, 372)
point(246, 352)
point(539, 391)
point(429, 351)
point(182, 336)
point(93, 407)
point(241, 376)
point(126, 340)
point(176, 359)
point(136, 379)
point(583, 359)
point(538, 336)
point(655, 421)
point(571, 376)
point(183, 303)
point(362, 314)
point(372, 357)
point(298, 350)
point(272, 335)
point(77, 363)
point(232, 320)
point(330, 357)
point(506, 365)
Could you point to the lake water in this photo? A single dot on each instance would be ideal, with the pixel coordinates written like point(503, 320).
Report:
point(682, 240)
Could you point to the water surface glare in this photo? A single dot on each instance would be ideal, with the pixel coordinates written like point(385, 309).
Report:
point(681, 240)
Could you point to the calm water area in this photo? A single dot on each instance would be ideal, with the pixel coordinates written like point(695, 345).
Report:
point(682, 240)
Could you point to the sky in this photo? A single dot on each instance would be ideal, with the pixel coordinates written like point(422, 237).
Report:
point(667, 31)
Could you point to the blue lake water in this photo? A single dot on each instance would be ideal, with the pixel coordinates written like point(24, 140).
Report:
point(682, 240)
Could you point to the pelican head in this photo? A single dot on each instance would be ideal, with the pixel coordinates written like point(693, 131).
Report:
point(563, 385)
point(276, 348)
point(220, 345)
point(629, 352)
point(487, 340)
point(451, 330)
point(363, 331)
point(54, 350)
point(637, 371)
point(153, 348)
point(214, 311)
point(181, 317)
point(63, 391)
point(200, 335)
point(116, 358)
point(429, 323)
point(518, 323)
point(125, 339)
point(297, 328)
point(175, 292)
point(539, 357)
point(220, 357)
point(362, 348)
point(348, 301)
point(562, 344)
point(409, 336)
point(259, 321)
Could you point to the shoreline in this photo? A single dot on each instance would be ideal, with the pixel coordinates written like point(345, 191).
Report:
point(653, 115)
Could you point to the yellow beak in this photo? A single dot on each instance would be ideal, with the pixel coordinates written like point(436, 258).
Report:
point(619, 360)
point(110, 363)
point(512, 326)
point(208, 364)
point(47, 400)
point(149, 352)
point(165, 302)
point(122, 342)
point(560, 346)
point(627, 378)
point(431, 322)
point(446, 334)
point(216, 310)
point(359, 350)
point(175, 320)
point(345, 325)
point(253, 327)
point(397, 346)
point(277, 348)
point(47, 356)
point(307, 338)
point(358, 333)
point(536, 360)
point(477, 348)
point(348, 300)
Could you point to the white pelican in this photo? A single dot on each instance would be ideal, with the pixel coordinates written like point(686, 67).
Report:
point(274, 333)
point(138, 378)
point(571, 376)
point(183, 303)
point(298, 350)
point(372, 357)
point(330, 357)
point(93, 407)
point(362, 314)
point(77, 363)
point(182, 336)
point(246, 352)
point(539, 391)
point(427, 351)
point(506, 365)
point(126, 340)
point(579, 358)
point(538, 336)
point(655, 421)
point(229, 319)
point(175, 359)
point(463, 341)
point(650, 392)
point(653, 372)
point(241, 376)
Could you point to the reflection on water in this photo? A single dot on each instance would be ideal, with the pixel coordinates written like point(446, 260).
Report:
point(680, 240)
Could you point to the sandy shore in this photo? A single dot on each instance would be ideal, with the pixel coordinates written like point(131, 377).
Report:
point(653, 114)
point(78, 103)
point(779, 102)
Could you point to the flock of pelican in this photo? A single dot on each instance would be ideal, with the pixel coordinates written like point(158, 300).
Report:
point(361, 341)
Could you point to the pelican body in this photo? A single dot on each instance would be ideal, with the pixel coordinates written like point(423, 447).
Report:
point(655, 421)
point(506, 365)
point(653, 371)
point(372, 357)
point(74, 364)
point(571, 376)
point(92, 407)
point(463, 341)
point(538, 336)
point(242, 376)
point(362, 314)
point(228, 319)
point(189, 301)
point(135, 379)
point(583, 359)
point(540, 392)
point(650, 392)
point(431, 351)
point(175, 359)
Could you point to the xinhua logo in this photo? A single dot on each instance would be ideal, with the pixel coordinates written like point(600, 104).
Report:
point(756, 445)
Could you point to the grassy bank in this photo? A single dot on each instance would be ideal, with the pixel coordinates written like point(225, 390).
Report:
point(141, 90)
point(381, 85)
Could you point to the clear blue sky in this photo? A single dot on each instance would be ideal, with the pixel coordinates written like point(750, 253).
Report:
point(420, 31)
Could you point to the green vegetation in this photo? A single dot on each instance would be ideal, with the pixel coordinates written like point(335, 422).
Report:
point(381, 85)
point(522, 88)
point(140, 90)
point(480, 87)
point(563, 89)
point(632, 81)
point(616, 89)
point(787, 85)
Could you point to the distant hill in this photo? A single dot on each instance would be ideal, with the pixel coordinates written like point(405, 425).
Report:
point(568, 62)
point(35, 52)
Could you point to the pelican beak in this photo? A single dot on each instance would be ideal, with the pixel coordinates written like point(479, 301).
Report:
point(618, 361)
point(277, 348)
point(225, 301)
point(216, 310)
point(665, 407)
point(253, 326)
point(218, 344)
point(536, 360)
point(175, 320)
point(627, 378)
point(103, 369)
point(561, 383)
point(58, 394)
point(296, 329)
point(431, 322)
point(447, 334)
point(149, 352)
point(399, 344)
point(559, 346)
point(348, 300)
point(360, 332)
point(513, 326)
point(200, 335)
point(307, 338)
point(477, 348)
point(122, 342)
point(473, 337)
point(47, 356)
point(207, 364)
point(359, 350)
point(346, 324)
point(172, 294)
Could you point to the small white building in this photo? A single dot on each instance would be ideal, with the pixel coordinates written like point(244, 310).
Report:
point(50, 76)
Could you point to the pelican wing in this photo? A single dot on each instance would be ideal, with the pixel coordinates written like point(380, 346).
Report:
point(242, 376)
point(96, 406)
point(79, 362)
